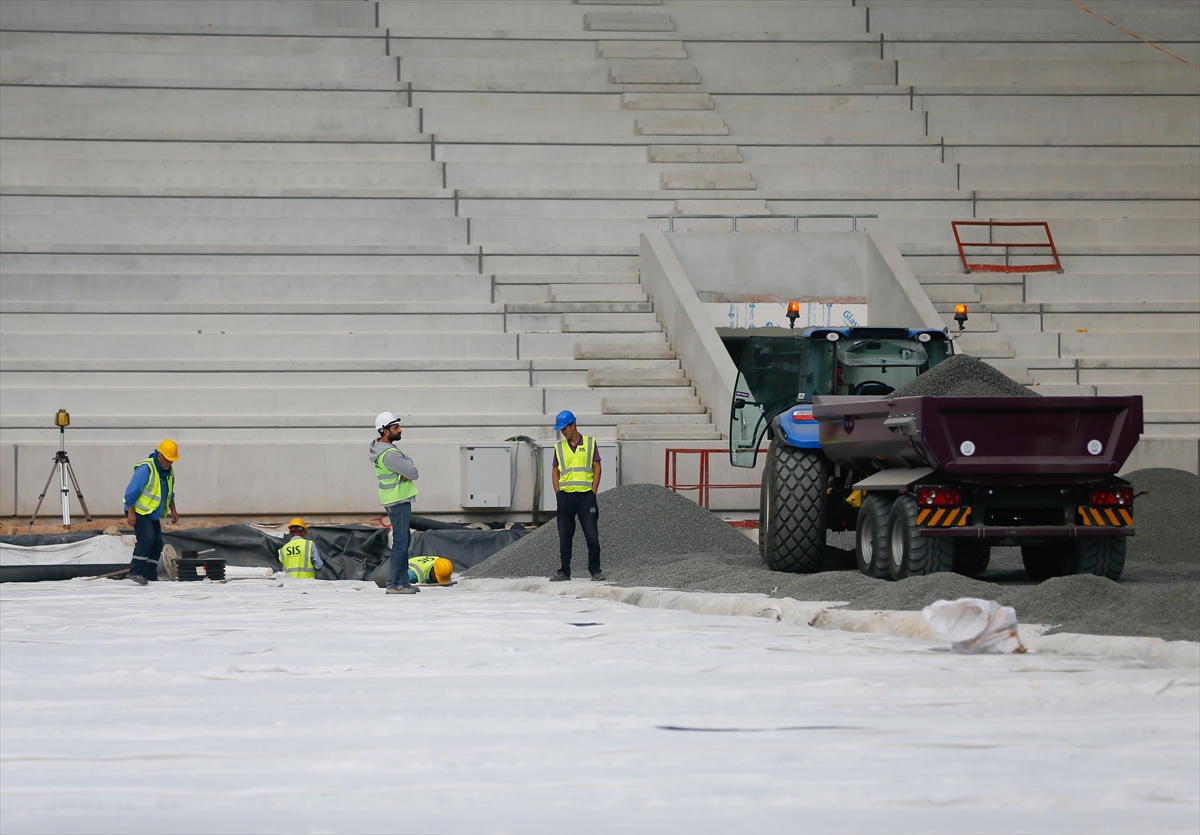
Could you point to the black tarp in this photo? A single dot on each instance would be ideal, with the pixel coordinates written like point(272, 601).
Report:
point(350, 552)
point(34, 540)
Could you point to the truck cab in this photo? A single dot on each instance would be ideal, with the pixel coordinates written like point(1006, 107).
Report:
point(779, 376)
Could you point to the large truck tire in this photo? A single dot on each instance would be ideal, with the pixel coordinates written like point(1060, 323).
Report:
point(1044, 560)
point(791, 534)
point(871, 536)
point(971, 556)
point(909, 553)
point(1103, 556)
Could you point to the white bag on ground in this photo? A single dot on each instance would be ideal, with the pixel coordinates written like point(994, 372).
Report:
point(974, 626)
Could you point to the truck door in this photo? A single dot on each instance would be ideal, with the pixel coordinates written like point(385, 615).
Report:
point(768, 382)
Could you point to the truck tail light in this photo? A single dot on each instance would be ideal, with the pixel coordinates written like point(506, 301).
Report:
point(936, 496)
point(1111, 497)
point(804, 413)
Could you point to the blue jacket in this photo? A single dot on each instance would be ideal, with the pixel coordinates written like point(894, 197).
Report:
point(141, 476)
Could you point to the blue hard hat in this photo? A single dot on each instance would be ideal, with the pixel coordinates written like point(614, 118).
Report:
point(564, 419)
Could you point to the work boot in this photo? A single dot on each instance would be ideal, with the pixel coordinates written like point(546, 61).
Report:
point(137, 578)
point(402, 590)
point(560, 577)
point(599, 577)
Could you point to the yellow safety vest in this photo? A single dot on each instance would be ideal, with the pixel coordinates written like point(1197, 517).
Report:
point(152, 494)
point(296, 557)
point(422, 567)
point(392, 488)
point(575, 474)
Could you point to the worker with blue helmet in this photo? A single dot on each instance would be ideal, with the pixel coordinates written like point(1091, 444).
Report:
point(576, 478)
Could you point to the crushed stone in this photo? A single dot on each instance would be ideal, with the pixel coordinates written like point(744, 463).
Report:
point(962, 375)
point(649, 536)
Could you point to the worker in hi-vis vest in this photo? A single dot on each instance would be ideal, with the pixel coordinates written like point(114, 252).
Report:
point(150, 493)
point(430, 570)
point(576, 478)
point(396, 473)
point(299, 556)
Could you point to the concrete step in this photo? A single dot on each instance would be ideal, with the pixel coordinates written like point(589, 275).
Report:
point(721, 207)
point(1137, 286)
point(624, 377)
point(575, 293)
point(680, 126)
point(606, 22)
point(588, 351)
point(172, 290)
point(298, 346)
point(609, 406)
point(242, 177)
point(666, 101)
point(984, 348)
point(618, 323)
point(952, 294)
point(653, 72)
point(694, 153)
point(234, 319)
point(550, 279)
point(581, 307)
point(1182, 345)
point(641, 49)
point(667, 432)
point(719, 179)
point(134, 69)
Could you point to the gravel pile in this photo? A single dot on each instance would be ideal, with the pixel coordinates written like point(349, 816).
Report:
point(963, 376)
point(639, 524)
point(1166, 520)
point(651, 537)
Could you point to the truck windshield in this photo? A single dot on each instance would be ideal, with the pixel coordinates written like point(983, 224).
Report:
point(881, 352)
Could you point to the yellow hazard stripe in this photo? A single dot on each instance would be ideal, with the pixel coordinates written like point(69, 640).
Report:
point(1105, 517)
point(949, 520)
point(922, 516)
point(962, 520)
point(937, 515)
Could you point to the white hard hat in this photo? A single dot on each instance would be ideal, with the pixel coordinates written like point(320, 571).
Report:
point(385, 419)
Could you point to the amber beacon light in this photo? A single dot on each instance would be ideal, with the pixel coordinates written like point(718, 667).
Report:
point(793, 313)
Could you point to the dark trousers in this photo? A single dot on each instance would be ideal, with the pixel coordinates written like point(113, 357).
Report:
point(400, 515)
point(148, 548)
point(583, 506)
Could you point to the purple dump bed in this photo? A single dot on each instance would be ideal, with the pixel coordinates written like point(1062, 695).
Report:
point(983, 439)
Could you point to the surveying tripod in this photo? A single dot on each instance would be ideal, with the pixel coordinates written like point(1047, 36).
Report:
point(63, 465)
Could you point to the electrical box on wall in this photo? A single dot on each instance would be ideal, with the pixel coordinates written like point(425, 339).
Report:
point(610, 476)
point(488, 471)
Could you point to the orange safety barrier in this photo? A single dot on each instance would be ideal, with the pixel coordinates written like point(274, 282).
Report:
point(704, 488)
point(1006, 267)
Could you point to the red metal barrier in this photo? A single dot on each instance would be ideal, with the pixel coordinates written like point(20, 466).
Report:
point(1006, 267)
point(704, 488)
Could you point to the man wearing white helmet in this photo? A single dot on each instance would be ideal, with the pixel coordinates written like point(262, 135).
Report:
point(396, 473)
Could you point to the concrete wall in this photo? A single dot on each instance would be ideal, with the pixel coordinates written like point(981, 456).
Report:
point(688, 329)
point(240, 479)
point(821, 267)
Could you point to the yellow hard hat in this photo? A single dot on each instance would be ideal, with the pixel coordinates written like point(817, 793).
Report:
point(442, 569)
point(169, 450)
point(297, 523)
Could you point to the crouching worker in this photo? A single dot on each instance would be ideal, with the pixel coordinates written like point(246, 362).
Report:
point(430, 570)
point(299, 556)
point(150, 494)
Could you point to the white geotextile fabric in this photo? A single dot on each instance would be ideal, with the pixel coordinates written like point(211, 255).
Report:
point(275, 706)
point(96, 550)
point(974, 626)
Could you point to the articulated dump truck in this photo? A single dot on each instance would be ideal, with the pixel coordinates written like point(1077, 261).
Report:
point(927, 483)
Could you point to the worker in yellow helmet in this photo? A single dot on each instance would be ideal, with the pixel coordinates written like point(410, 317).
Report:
point(430, 570)
point(299, 555)
point(150, 493)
